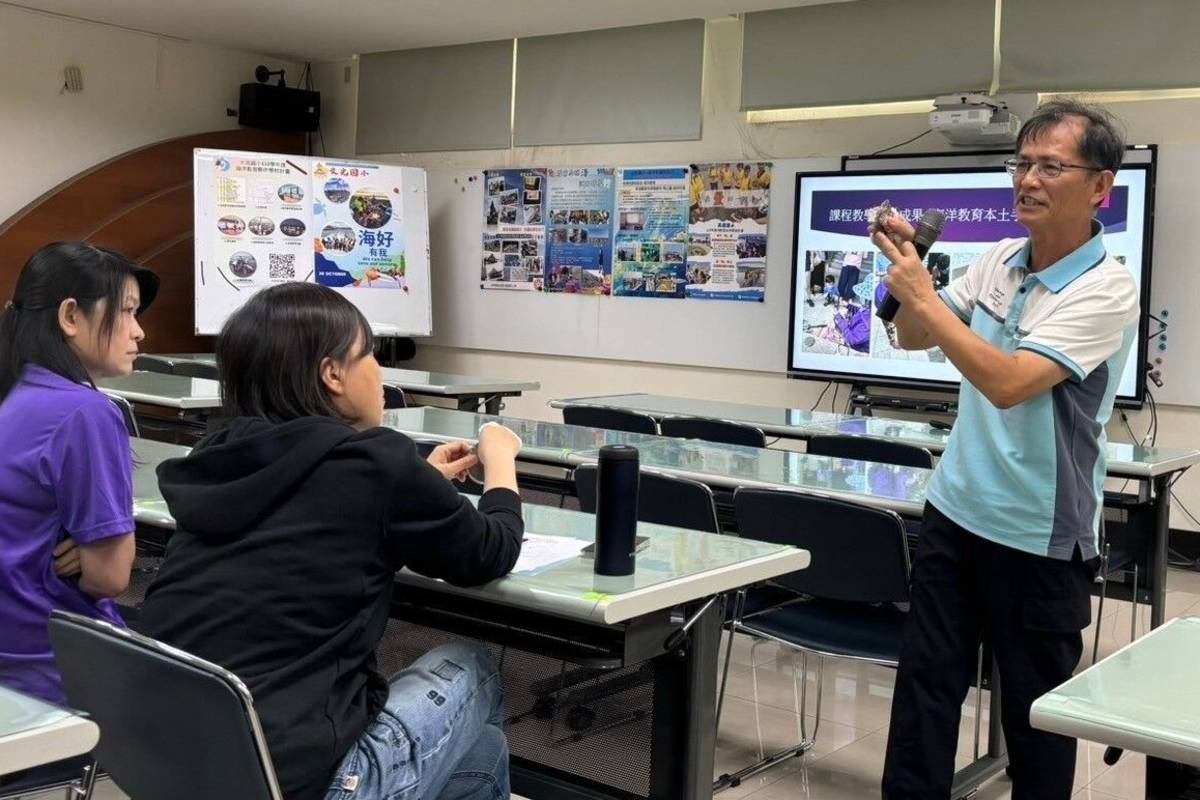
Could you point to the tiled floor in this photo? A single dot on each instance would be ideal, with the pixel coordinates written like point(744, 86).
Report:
point(847, 760)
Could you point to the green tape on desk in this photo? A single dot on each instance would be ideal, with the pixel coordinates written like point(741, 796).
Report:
point(598, 597)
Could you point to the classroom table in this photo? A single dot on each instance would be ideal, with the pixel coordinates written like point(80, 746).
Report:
point(1142, 698)
point(1154, 469)
point(622, 629)
point(470, 392)
point(720, 466)
point(34, 733)
point(181, 394)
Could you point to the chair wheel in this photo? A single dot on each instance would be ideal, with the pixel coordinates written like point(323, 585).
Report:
point(543, 707)
point(580, 718)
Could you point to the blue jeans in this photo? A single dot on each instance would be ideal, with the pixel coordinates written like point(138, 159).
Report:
point(438, 737)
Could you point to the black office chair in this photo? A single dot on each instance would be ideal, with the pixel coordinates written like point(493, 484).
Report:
point(154, 364)
point(712, 430)
point(393, 397)
point(195, 369)
point(842, 607)
point(611, 419)
point(126, 409)
point(662, 498)
point(866, 448)
point(172, 725)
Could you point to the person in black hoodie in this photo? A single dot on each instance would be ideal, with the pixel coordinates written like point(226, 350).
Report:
point(292, 521)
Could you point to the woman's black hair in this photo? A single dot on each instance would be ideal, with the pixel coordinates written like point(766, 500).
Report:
point(29, 329)
point(270, 351)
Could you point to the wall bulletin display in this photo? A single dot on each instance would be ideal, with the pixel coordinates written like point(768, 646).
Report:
point(664, 232)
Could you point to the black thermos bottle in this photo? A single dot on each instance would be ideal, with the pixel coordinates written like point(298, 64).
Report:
point(616, 509)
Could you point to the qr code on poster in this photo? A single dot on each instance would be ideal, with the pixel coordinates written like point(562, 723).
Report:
point(282, 266)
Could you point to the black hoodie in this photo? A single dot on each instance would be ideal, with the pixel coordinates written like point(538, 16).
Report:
point(281, 570)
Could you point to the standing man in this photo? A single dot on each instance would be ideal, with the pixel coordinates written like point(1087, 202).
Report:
point(1040, 329)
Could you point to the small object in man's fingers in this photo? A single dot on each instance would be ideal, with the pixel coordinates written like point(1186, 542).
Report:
point(879, 215)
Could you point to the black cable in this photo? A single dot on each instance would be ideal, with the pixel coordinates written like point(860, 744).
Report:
point(1153, 417)
point(821, 396)
point(906, 141)
point(833, 400)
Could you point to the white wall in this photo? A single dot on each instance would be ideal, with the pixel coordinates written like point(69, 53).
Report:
point(137, 89)
point(727, 136)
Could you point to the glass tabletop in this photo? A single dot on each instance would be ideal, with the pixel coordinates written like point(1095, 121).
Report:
point(416, 380)
point(888, 486)
point(199, 358)
point(1124, 459)
point(710, 563)
point(155, 387)
point(20, 713)
point(771, 420)
point(551, 442)
point(1144, 693)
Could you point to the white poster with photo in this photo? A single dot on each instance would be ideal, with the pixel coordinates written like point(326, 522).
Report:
point(727, 228)
point(267, 218)
point(252, 212)
point(514, 232)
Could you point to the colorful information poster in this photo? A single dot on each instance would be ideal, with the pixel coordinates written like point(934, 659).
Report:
point(727, 251)
point(650, 248)
point(358, 234)
point(261, 214)
point(579, 230)
point(514, 233)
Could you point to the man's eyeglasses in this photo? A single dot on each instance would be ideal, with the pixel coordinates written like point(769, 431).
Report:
point(1047, 169)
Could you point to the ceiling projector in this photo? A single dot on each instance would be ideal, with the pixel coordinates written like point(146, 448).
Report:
point(974, 119)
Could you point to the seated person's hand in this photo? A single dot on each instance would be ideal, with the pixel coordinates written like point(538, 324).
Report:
point(497, 444)
point(66, 559)
point(453, 460)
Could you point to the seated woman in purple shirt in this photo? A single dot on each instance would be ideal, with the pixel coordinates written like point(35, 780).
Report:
point(66, 494)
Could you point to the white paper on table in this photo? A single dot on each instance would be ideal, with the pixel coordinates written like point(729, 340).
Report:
point(539, 551)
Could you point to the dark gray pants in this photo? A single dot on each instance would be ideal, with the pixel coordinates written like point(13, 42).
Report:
point(1031, 609)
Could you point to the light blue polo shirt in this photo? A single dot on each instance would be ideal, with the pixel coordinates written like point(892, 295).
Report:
point(1031, 476)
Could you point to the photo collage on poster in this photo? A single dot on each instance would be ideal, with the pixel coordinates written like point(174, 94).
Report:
point(579, 230)
point(262, 215)
point(727, 227)
point(651, 241)
point(358, 232)
point(514, 234)
point(667, 232)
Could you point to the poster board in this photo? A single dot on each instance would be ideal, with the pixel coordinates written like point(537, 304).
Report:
point(360, 228)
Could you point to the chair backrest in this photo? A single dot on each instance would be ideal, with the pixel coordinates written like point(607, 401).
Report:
point(171, 725)
point(859, 554)
point(712, 430)
point(154, 364)
point(126, 409)
point(612, 419)
point(662, 499)
point(866, 448)
point(195, 369)
point(393, 397)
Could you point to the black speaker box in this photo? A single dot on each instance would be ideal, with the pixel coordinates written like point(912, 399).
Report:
point(278, 108)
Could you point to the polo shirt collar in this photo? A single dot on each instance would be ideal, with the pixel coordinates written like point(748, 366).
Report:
point(1059, 275)
point(38, 375)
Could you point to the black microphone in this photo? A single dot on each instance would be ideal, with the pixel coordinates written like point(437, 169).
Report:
point(929, 228)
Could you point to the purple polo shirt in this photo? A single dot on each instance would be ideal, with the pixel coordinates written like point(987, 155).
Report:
point(65, 470)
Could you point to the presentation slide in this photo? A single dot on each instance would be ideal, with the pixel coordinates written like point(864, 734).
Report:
point(837, 271)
